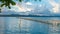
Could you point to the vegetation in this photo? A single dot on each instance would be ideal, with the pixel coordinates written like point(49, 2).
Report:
point(7, 3)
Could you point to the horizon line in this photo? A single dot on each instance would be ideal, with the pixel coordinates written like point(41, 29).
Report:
point(25, 16)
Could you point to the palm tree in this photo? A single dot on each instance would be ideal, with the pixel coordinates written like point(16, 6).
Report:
point(7, 3)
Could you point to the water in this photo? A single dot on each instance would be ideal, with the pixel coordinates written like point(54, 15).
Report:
point(16, 25)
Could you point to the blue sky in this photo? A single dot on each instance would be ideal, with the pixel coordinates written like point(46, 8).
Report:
point(47, 3)
point(28, 5)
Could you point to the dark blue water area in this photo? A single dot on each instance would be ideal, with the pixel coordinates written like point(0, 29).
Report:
point(27, 27)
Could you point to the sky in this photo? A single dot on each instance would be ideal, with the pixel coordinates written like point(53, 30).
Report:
point(28, 5)
point(52, 5)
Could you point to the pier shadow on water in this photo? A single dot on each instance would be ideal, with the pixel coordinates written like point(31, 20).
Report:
point(15, 25)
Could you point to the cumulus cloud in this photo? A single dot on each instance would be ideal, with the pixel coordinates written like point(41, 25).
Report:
point(28, 3)
point(24, 8)
point(20, 8)
point(55, 5)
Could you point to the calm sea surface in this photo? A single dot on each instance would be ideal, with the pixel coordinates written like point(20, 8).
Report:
point(30, 25)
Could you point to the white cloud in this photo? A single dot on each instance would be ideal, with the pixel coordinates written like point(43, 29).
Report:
point(55, 5)
point(28, 3)
point(40, 5)
point(56, 9)
point(21, 8)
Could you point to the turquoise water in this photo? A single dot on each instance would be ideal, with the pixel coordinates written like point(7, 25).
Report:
point(16, 25)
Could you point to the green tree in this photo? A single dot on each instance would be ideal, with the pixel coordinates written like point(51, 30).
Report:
point(7, 3)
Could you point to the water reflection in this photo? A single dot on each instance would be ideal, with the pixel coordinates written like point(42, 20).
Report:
point(15, 25)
